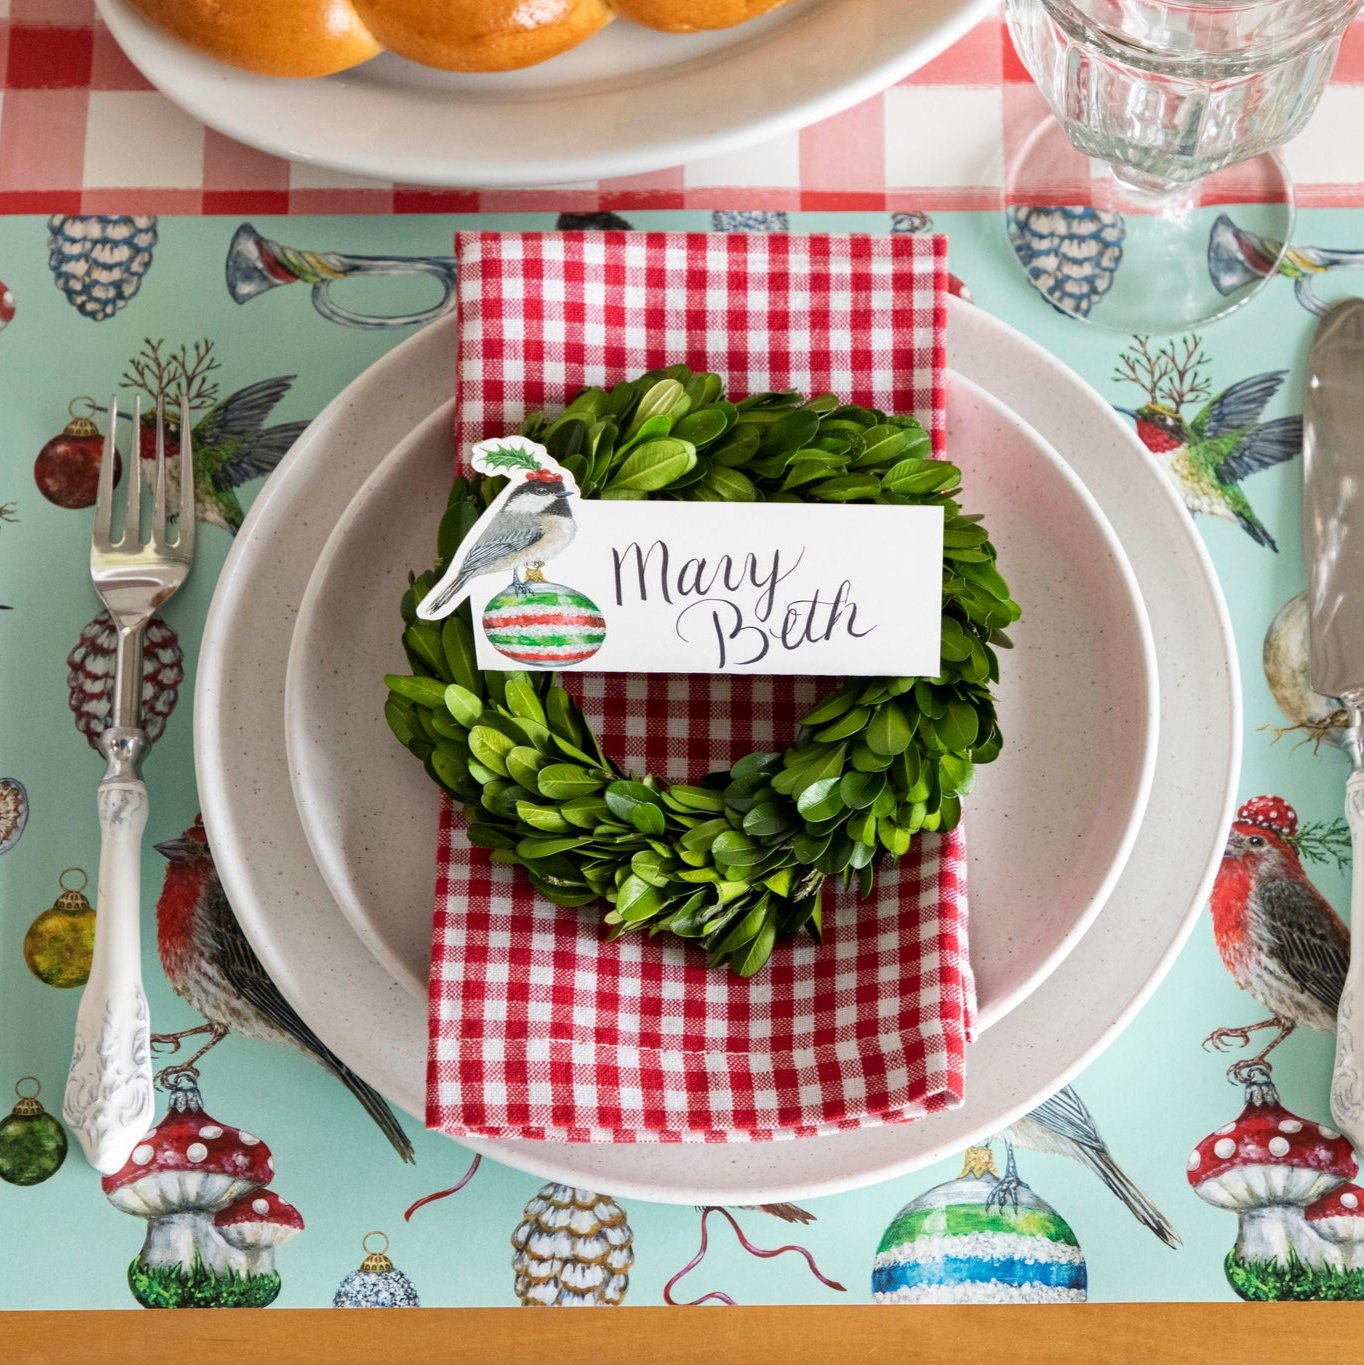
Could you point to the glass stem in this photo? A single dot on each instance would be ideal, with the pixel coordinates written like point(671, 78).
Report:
point(1134, 193)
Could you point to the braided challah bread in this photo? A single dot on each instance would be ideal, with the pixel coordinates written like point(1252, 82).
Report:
point(318, 37)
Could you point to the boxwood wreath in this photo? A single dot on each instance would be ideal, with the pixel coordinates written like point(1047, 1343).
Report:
point(735, 861)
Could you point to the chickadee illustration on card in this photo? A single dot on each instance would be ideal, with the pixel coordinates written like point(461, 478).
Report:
point(555, 580)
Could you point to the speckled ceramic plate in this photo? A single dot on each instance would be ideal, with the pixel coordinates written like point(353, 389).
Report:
point(628, 100)
point(371, 1019)
point(1079, 707)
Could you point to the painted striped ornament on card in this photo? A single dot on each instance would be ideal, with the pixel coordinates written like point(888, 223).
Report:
point(957, 1244)
point(544, 625)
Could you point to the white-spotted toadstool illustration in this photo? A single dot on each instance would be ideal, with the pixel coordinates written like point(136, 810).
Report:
point(183, 1176)
point(1276, 1172)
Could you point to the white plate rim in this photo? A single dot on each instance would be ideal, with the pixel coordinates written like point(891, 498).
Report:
point(298, 704)
point(230, 101)
point(1214, 774)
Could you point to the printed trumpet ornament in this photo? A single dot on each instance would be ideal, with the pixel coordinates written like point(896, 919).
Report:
point(255, 265)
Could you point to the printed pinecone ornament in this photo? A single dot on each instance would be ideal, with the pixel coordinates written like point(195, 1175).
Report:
point(573, 1249)
point(98, 260)
point(1070, 253)
point(90, 677)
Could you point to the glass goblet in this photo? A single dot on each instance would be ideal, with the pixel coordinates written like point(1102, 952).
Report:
point(1180, 106)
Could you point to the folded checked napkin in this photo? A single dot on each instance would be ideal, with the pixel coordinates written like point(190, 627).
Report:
point(539, 1027)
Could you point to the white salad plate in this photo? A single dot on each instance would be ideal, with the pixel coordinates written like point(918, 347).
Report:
point(1078, 707)
point(373, 1020)
point(626, 101)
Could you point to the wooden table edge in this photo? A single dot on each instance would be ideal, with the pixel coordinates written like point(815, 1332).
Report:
point(1200, 1334)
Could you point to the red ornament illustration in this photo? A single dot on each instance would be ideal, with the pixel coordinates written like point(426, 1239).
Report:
point(67, 468)
point(90, 677)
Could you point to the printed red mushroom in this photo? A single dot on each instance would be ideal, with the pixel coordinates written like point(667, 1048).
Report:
point(187, 1168)
point(255, 1225)
point(1338, 1218)
point(1267, 1166)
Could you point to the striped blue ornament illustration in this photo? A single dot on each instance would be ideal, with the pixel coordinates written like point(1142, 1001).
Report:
point(957, 1244)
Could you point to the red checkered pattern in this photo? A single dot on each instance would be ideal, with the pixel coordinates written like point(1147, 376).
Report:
point(77, 121)
point(541, 1029)
point(543, 314)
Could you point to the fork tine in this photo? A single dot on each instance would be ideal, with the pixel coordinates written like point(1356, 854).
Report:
point(104, 499)
point(132, 475)
point(185, 544)
point(159, 486)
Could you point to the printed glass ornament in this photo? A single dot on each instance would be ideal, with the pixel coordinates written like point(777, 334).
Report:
point(32, 1142)
point(67, 468)
point(13, 812)
point(957, 1244)
point(60, 943)
point(377, 1283)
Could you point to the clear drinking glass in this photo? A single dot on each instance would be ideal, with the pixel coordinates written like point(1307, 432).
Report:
point(1162, 95)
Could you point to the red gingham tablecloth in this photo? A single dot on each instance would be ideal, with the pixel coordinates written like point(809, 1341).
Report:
point(77, 121)
point(538, 1027)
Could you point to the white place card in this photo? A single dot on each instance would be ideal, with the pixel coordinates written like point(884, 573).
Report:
point(556, 581)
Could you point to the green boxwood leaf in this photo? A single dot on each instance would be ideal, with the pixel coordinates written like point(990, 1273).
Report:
point(463, 705)
point(733, 848)
point(427, 692)
point(889, 732)
point(562, 781)
point(959, 727)
point(624, 795)
point(654, 465)
point(820, 800)
point(754, 957)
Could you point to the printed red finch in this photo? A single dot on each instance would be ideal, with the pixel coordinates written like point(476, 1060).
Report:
point(1282, 942)
point(209, 962)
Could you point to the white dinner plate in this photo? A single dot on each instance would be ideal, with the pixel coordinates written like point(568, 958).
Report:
point(626, 101)
point(1078, 707)
point(371, 1020)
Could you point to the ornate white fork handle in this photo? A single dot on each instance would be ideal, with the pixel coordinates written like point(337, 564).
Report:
point(109, 1103)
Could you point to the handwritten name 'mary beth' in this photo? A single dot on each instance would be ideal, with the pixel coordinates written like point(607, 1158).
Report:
point(720, 591)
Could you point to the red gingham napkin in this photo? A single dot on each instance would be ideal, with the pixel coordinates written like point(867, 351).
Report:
point(539, 1028)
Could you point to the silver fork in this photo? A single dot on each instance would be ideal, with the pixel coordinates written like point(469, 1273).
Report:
point(108, 1103)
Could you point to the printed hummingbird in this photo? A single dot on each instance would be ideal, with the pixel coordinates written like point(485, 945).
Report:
point(232, 446)
point(1209, 455)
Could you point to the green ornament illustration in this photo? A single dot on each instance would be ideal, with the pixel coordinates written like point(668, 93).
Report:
point(32, 1142)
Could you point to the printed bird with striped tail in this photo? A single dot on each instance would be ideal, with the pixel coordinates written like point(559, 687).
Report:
point(1210, 454)
point(1063, 1126)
